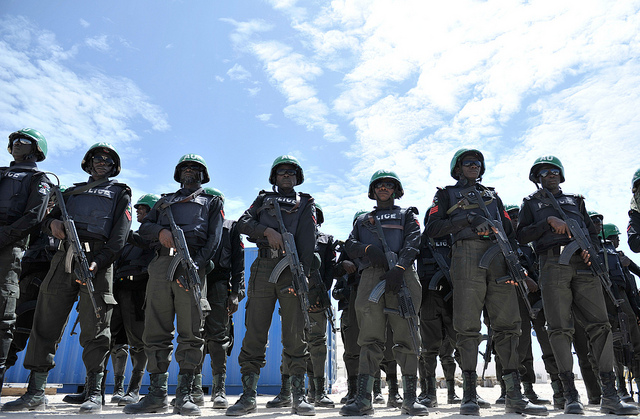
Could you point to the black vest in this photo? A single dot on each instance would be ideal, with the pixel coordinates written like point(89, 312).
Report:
point(427, 265)
point(457, 193)
point(542, 209)
point(222, 258)
point(392, 221)
point(93, 210)
point(134, 261)
point(613, 262)
point(267, 217)
point(15, 188)
point(191, 216)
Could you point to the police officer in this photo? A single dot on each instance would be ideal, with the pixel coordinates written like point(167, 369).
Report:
point(101, 210)
point(130, 291)
point(633, 230)
point(200, 216)
point(457, 210)
point(260, 224)
point(225, 290)
point(401, 233)
point(571, 290)
point(24, 194)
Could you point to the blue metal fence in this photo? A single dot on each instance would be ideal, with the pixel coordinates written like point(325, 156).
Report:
point(70, 371)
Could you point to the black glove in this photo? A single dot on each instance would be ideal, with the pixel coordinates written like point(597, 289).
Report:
point(479, 223)
point(394, 279)
point(376, 257)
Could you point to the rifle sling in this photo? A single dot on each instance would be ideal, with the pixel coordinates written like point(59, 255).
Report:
point(188, 198)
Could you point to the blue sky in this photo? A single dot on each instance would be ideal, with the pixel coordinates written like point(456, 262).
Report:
point(348, 87)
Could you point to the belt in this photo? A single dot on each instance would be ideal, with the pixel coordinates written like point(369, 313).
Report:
point(557, 250)
point(268, 253)
point(163, 251)
point(85, 246)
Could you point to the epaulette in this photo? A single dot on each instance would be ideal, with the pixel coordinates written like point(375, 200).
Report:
point(123, 186)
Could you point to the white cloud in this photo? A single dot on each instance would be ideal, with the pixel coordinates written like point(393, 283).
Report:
point(238, 73)
point(253, 91)
point(99, 43)
point(264, 117)
point(219, 79)
point(84, 23)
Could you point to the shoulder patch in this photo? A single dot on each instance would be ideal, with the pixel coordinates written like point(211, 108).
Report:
point(44, 188)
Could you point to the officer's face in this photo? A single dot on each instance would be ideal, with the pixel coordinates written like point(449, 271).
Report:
point(551, 181)
point(141, 212)
point(384, 189)
point(101, 165)
point(21, 148)
point(513, 215)
point(470, 166)
point(190, 173)
point(615, 239)
point(286, 176)
point(597, 223)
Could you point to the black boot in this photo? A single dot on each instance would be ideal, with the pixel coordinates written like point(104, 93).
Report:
point(430, 399)
point(184, 399)
point(503, 392)
point(423, 389)
point(311, 394)
point(558, 396)
point(533, 397)
point(362, 405)
point(395, 399)
point(247, 401)
point(352, 390)
point(197, 394)
point(299, 404)
point(322, 400)
point(410, 404)
point(118, 389)
point(377, 391)
point(133, 391)
point(93, 403)
point(34, 398)
point(119, 355)
point(572, 405)
point(514, 402)
point(156, 399)
point(77, 398)
point(469, 404)
point(452, 397)
point(282, 399)
point(219, 392)
point(610, 402)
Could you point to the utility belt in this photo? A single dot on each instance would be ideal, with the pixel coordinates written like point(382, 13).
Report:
point(269, 253)
point(163, 251)
point(87, 246)
point(557, 251)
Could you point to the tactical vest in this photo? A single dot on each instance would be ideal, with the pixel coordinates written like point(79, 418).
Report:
point(191, 216)
point(267, 217)
point(93, 210)
point(222, 258)
point(615, 268)
point(426, 263)
point(15, 188)
point(542, 209)
point(134, 262)
point(456, 194)
point(392, 221)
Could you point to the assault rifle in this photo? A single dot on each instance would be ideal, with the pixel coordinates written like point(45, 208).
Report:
point(405, 309)
point(325, 301)
point(81, 266)
point(516, 270)
point(486, 355)
point(190, 280)
point(443, 269)
point(291, 260)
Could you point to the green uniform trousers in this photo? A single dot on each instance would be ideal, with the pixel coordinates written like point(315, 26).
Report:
point(474, 288)
point(261, 301)
point(373, 324)
point(167, 301)
point(573, 289)
point(9, 292)
point(217, 326)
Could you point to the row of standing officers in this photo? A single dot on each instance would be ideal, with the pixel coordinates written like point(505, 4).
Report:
point(383, 246)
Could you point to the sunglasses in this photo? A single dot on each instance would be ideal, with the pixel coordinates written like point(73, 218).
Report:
point(192, 167)
point(103, 159)
point(469, 163)
point(387, 185)
point(22, 141)
point(288, 172)
point(547, 172)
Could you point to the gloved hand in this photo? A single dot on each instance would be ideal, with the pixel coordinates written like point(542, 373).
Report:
point(480, 224)
point(394, 279)
point(376, 257)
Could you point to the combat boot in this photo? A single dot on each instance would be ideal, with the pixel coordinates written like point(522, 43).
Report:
point(572, 405)
point(558, 396)
point(322, 400)
point(430, 399)
point(34, 398)
point(247, 401)
point(77, 398)
point(533, 397)
point(503, 392)
point(133, 391)
point(197, 394)
point(610, 401)
point(395, 399)
point(300, 406)
point(410, 404)
point(184, 399)
point(377, 391)
point(3, 369)
point(362, 404)
point(93, 403)
point(282, 399)
point(156, 400)
point(118, 389)
point(514, 402)
point(219, 392)
point(119, 357)
point(452, 397)
point(423, 389)
point(311, 394)
point(352, 390)
point(469, 404)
